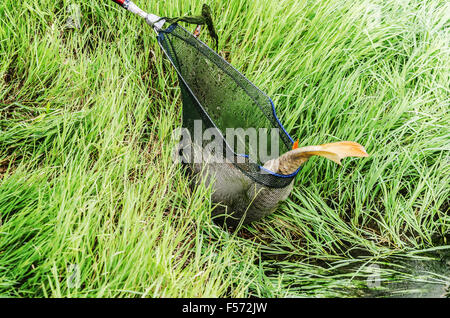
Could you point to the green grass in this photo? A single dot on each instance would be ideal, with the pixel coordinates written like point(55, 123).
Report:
point(86, 175)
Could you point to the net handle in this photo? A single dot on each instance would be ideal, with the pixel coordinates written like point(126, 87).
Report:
point(153, 20)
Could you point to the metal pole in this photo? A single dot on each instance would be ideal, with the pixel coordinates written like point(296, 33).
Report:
point(151, 19)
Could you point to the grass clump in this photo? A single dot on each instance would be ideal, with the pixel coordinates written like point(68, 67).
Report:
point(91, 204)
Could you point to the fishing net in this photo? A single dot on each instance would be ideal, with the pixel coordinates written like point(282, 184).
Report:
point(217, 95)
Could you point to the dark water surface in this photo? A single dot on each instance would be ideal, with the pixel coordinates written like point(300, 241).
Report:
point(424, 276)
point(419, 274)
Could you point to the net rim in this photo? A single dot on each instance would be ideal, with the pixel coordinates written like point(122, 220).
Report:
point(168, 30)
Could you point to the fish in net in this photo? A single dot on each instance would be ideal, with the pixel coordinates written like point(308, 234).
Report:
point(220, 102)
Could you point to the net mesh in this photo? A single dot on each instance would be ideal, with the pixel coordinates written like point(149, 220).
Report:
point(219, 96)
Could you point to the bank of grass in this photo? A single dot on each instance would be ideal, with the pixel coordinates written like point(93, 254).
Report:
point(91, 204)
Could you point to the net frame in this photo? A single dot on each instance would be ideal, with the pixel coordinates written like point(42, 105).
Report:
point(191, 103)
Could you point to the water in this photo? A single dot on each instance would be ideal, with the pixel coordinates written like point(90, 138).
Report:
point(419, 275)
point(427, 276)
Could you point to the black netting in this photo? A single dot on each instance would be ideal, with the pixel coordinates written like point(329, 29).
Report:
point(221, 97)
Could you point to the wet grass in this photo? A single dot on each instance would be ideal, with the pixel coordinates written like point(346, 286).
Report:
point(91, 204)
